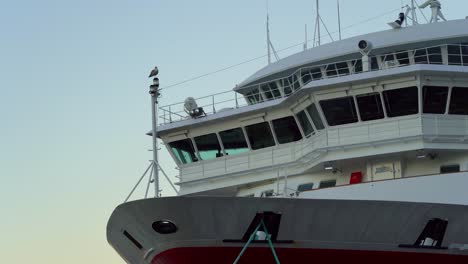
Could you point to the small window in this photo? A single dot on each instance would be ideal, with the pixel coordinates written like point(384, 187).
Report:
point(234, 141)
point(450, 168)
point(286, 86)
point(327, 184)
point(401, 102)
point(357, 64)
point(458, 101)
point(306, 77)
point(316, 74)
point(435, 99)
point(286, 130)
point(454, 54)
point(403, 58)
point(260, 136)
point(314, 114)
point(435, 55)
point(339, 111)
point(374, 64)
point(342, 68)
point(370, 106)
point(184, 151)
point(254, 97)
point(305, 187)
point(331, 70)
point(464, 50)
point(305, 124)
point(420, 56)
point(268, 193)
point(208, 147)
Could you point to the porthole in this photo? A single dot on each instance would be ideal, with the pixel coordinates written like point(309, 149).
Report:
point(164, 227)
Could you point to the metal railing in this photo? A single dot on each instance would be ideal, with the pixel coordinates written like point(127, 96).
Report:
point(451, 54)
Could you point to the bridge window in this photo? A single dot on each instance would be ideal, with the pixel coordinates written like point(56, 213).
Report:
point(370, 106)
point(464, 48)
point(420, 56)
point(454, 55)
point(254, 97)
point(208, 147)
point(314, 114)
point(357, 65)
point(234, 141)
point(401, 102)
point(435, 99)
point(435, 55)
point(305, 124)
point(458, 102)
point(331, 70)
point(342, 68)
point(339, 111)
point(271, 90)
point(286, 130)
point(260, 136)
point(184, 151)
point(305, 187)
point(327, 184)
point(450, 168)
point(403, 58)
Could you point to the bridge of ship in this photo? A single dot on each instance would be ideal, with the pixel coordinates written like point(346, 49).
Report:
point(409, 100)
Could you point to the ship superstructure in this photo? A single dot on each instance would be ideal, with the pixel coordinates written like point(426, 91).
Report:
point(357, 148)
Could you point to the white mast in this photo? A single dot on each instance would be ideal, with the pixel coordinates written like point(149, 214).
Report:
point(268, 35)
point(305, 40)
point(413, 13)
point(339, 18)
point(318, 22)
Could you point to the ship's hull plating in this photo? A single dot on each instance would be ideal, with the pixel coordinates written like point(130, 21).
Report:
point(345, 230)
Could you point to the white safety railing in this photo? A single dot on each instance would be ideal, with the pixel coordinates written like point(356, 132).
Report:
point(451, 54)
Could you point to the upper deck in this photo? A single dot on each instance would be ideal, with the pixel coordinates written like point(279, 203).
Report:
point(438, 43)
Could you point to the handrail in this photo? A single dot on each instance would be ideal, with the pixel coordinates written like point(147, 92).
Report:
point(286, 86)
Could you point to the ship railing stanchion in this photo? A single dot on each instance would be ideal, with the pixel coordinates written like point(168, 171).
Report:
point(252, 238)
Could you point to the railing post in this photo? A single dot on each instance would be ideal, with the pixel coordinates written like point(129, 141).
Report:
point(213, 102)
point(170, 115)
point(237, 103)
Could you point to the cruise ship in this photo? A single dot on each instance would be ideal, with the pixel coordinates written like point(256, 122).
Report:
point(356, 151)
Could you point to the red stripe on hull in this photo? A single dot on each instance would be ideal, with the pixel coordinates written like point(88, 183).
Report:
point(227, 255)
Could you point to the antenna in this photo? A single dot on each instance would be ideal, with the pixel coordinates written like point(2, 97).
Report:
point(269, 44)
point(317, 23)
point(305, 40)
point(339, 18)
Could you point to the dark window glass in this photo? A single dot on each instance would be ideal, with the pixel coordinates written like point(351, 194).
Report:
point(254, 97)
point(275, 89)
point(450, 168)
point(234, 141)
point(331, 70)
point(316, 73)
point(370, 106)
point(342, 68)
point(339, 111)
point(388, 57)
point(454, 55)
point(357, 66)
point(374, 64)
point(401, 102)
point(327, 184)
point(287, 87)
point(402, 58)
point(434, 99)
point(435, 55)
point(266, 91)
point(305, 124)
point(208, 147)
point(184, 151)
point(458, 101)
point(420, 56)
point(306, 77)
point(314, 114)
point(286, 130)
point(260, 136)
point(305, 187)
point(464, 49)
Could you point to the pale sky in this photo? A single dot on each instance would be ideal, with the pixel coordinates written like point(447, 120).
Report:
point(74, 103)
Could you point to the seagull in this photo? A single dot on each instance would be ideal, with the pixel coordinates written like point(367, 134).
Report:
point(154, 72)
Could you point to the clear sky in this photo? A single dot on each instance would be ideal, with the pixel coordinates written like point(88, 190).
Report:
point(74, 106)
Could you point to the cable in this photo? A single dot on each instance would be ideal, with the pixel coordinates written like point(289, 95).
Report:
point(263, 56)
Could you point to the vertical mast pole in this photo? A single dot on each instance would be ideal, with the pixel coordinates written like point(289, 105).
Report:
point(268, 34)
point(154, 104)
point(413, 13)
point(318, 21)
point(339, 18)
point(306, 38)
